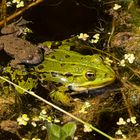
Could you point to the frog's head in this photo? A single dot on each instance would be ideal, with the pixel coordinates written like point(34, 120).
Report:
point(33, 56)
point(93, 77)
point(75, 71)
point(92, 80)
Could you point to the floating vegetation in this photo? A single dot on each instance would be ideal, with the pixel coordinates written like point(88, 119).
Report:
point(92, 78)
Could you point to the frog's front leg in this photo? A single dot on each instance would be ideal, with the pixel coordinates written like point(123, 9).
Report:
point(60, 97)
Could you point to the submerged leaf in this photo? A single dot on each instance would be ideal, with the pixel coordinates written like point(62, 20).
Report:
point(56, 132)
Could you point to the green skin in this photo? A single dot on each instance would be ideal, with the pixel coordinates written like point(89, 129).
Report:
point(74, 71)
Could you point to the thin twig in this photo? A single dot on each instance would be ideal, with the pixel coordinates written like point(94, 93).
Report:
point(16, 14)
point(111, 34)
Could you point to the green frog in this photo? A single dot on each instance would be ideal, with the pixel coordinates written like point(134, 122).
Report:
point(72, 73)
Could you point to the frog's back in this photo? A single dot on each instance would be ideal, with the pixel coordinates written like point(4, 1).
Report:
point(62, 64)
point(72, 57)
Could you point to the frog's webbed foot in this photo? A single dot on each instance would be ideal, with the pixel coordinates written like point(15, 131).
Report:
point(21, 22)
point(61, 98)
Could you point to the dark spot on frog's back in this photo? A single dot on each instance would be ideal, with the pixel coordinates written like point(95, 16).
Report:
point(40, 67)
point(53, 57)
point(54, 74)
point(73, 64)
point(62, 65)
point(32, 76)
point(68, 74)
point(67, 56)
point(44, 76)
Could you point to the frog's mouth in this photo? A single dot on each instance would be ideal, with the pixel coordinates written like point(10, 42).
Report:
point(98, 83)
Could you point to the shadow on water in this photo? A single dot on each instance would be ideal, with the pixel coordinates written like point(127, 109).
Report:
point(4, 58)
point(56, 22)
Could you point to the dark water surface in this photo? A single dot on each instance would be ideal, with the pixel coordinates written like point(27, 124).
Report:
point(57, 21)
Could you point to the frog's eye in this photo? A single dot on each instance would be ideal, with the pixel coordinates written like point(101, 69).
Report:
point(90, 75)
point(30, 57)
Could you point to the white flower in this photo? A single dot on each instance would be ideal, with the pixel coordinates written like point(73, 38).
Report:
point(130, 57)
point(20, 4)
point(122, 63)
point(87, 104)
point(95, 39)
point(43, 112)
point(16, 1)
point(23, 119)
point(83, 36)
point(118, 132)
point(43, 128)
point(56, 120)
point(117, 6)
point(108, 61)
point(43, 115)
point(96, 36)
point(87, 128)
point(49, 119)
point(84, 107)
point(34, 124)
point(75, 138)
point(121, 121)
point(128, 120)
point(9, 3)
point(133, 120)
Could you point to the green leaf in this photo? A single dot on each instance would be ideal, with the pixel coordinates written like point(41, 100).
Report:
point(69, 129)
point(56, 132)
